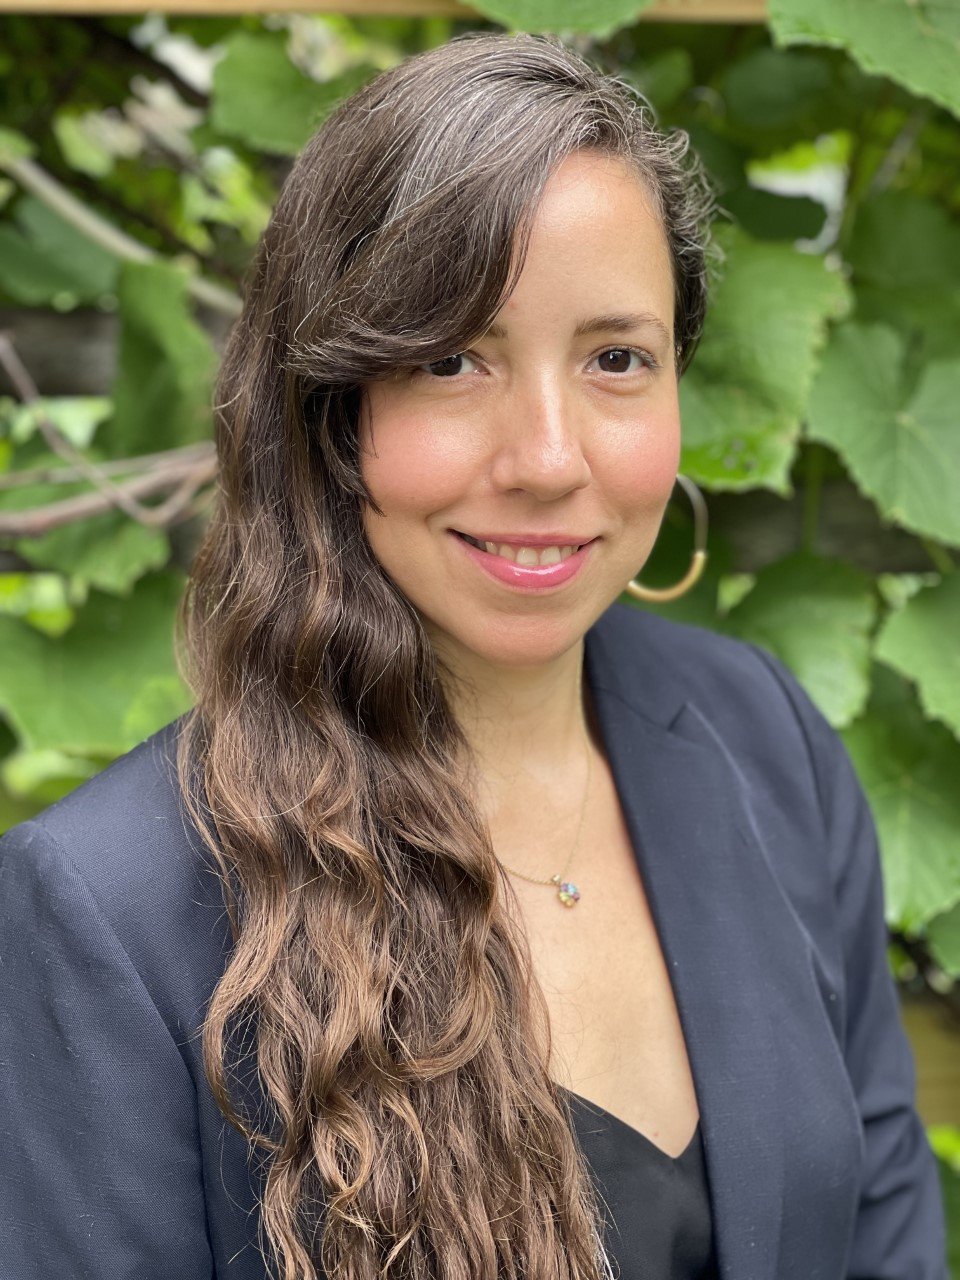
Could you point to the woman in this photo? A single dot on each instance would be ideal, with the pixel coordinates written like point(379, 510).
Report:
point(556, 943)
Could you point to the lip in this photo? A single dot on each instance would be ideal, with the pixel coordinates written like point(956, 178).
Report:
point(529, 540)
point(535, 579)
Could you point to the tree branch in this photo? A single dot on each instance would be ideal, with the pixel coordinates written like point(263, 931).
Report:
point(184, 471)
point(38, 182)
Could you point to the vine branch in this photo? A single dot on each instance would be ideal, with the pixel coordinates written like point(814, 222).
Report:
point(183, 470)
point(35, 179)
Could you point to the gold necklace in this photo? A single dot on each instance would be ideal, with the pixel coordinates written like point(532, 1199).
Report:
point(567, 891)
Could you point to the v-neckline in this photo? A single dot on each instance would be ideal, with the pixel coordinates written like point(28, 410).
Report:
point(636, 1134)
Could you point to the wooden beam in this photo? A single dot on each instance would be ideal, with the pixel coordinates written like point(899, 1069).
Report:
point(661, 11)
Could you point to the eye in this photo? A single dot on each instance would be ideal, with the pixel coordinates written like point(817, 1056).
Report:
point(447, 367)
point(621, 357)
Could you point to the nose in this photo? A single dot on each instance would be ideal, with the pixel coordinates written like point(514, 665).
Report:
point(540, 441)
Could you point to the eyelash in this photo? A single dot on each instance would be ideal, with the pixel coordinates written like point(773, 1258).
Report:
point(645, 358)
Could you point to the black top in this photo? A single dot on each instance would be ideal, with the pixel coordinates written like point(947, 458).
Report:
point(657, 1207)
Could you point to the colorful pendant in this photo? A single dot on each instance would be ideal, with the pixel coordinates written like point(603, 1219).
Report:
point(567, 891)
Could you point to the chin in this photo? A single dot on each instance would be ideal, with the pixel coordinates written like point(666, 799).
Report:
point(514, 640)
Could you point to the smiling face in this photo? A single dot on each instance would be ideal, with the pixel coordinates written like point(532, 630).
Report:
point(561, 421)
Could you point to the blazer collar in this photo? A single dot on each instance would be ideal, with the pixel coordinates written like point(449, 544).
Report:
point(778, 1117)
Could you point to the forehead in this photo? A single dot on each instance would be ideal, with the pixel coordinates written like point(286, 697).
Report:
point(591, 184)
point(597, 244)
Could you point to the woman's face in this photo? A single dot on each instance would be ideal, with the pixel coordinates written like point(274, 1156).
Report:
point(560, 423)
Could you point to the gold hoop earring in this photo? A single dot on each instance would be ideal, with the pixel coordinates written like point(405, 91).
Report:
point(698, 561)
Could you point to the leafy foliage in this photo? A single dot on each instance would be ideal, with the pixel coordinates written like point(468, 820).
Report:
point(829, 361)
point(260, 97)
point(910, 767)
point(901, 448)
point(744, 394)
point(164, 383)
point(920, 641)
point(816, 615)
point(917, 45)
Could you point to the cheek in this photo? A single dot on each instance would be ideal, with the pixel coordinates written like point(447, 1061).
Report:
point(417, 466)
point(641, 464)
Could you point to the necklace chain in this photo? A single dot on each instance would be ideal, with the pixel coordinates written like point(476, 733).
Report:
point(567, 892)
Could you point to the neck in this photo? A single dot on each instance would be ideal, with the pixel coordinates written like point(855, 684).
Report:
point(528, 728)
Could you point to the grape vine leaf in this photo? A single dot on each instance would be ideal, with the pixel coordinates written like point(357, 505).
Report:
point(903, 450)
point(917, 45)
point(943, 938)
point(920, 641)
point(44, 259)
point(74, 693)
point(76, 418)
point(909, 766)
point(261, 97)
point(743, 397)
point(815, 615)
point(109, 551)
point(901, 239)
point(904, 252)
point(773, 96)
point(162, 395)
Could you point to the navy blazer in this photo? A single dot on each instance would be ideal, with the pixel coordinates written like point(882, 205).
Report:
point(759, 857)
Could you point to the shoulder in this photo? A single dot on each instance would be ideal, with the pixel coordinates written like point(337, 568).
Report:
point(123, 823)
point(735, 683)
point(122, 846)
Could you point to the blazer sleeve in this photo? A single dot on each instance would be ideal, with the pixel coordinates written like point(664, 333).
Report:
point(900, 1231)
point(100, 1171)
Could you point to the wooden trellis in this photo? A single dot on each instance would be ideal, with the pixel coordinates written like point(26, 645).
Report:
point(662, 11)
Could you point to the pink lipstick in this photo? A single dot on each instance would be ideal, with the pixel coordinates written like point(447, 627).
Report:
point(526, 577)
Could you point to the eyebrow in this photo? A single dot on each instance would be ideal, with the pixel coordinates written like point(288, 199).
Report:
point(618, 323)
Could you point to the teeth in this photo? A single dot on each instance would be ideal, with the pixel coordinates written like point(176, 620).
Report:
point(530, 557)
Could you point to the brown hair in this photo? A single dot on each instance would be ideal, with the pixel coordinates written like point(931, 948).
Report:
point(400, 1035)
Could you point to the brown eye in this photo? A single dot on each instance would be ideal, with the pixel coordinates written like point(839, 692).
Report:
point(619, 358)
point(448, 367)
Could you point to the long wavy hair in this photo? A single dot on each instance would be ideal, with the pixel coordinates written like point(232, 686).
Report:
point(400, 1037)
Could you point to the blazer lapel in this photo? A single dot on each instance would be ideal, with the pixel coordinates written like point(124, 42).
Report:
point(778, 1117)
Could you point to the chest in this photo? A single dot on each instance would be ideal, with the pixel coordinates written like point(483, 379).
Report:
point(616, 1037)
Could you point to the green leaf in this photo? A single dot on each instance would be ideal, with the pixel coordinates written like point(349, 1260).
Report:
point(81, 149)
point(662, 79)
point(14, 146)
point(74, 694)
point(767, 215)
point(44, 259)
point(900, 239)
point(927, 319)
point(920, 641)
point(905, 253)
point(158, 701)
point(44, 600)
point(943, 938)
point(909, 766)
point(258, 94)
point(744, 395)
point(903, 451)
point(75, 417)
point(816, 616)
point(772, 94)
point(14, 809)
point(166, 366)
point(897, 588)
point(601, 18)
point(45, 775)
point(109, 551)
point(915, 44)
